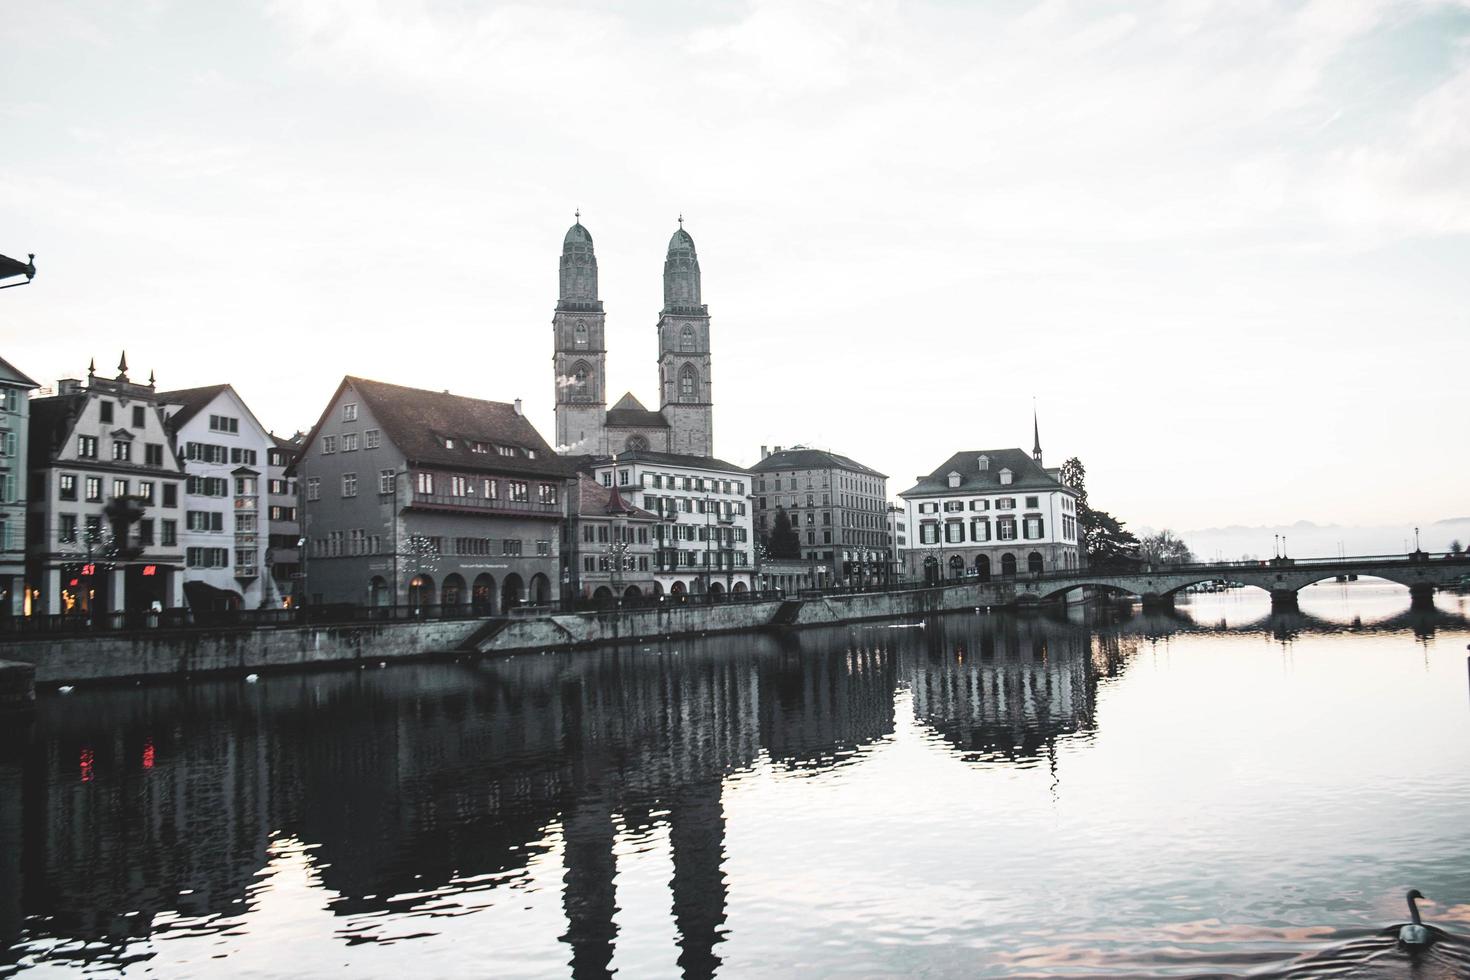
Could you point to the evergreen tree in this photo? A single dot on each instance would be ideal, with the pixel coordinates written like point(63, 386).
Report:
point(785, 542)
point(1105, 541)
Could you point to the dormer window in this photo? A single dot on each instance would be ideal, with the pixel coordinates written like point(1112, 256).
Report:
point(448, 443)
point(954, 479)
point(505, 450)
point(984, 464)
point(1005, 477)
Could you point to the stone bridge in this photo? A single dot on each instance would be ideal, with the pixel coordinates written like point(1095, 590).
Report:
point(1282, 577)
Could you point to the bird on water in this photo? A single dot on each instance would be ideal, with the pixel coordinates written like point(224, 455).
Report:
point(1415, 933)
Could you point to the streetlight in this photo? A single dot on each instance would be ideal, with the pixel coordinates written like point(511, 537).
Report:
point(10, 268)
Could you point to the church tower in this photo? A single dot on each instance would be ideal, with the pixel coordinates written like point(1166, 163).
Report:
point(581, 351)
point(685, 388)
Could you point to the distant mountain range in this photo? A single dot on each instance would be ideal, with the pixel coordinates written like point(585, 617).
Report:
point(1307, 539)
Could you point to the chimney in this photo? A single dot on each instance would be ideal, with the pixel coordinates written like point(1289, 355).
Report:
point(68, 386)
point(518, 407)
point(778, 449)
point(765, 451)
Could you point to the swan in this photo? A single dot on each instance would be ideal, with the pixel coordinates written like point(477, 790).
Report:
point(1415, 933)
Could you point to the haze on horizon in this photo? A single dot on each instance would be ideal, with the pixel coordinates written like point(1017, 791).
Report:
point(1223, 246)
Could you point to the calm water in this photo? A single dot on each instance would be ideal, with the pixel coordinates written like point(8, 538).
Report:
point(1219, 791)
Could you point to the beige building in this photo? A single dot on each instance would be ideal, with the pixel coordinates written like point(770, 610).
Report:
point(837, 506)
point(611, 545)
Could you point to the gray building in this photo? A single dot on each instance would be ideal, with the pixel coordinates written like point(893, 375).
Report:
point(427, 498)
point(838, 507)
point(684, 422)
point(15, 389)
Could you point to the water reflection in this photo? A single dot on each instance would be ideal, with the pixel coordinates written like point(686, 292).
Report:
point(1003, 688)
point(438, 790)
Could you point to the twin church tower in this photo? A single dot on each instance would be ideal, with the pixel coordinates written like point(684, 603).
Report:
point(584, 423)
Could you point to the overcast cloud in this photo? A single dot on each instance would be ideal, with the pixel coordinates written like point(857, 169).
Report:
point(1224, 246)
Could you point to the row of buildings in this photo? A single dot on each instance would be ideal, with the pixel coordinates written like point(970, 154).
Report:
point(115, 495)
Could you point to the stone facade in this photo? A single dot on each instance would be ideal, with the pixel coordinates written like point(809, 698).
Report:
point(837, 506)
point(684, 421)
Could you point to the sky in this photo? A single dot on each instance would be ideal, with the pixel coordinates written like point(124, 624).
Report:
point(1222, 247)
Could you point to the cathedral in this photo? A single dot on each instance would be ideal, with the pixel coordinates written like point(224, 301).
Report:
point(584, 424)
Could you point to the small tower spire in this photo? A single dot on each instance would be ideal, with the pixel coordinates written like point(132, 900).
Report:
point(1036, 434)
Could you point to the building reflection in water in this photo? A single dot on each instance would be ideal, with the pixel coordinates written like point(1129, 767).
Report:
point(132, 812)
point(1004, 688)
point(125, 807)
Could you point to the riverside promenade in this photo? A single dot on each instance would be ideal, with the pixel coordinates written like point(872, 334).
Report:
point(183, 652)
point(167, 648)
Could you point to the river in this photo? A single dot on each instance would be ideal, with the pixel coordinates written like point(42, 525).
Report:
point(1217, 791)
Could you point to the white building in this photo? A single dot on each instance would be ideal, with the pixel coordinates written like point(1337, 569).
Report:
point(224, 533)
point(705, 539)
point(989, 513)
point(104, 506)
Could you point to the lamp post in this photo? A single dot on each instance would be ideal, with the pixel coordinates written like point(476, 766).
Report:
point(10, 268)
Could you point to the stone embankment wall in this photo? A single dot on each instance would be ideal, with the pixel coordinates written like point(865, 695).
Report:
point(183, 653)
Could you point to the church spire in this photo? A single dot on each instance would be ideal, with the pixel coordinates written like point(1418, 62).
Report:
point(1036, 435)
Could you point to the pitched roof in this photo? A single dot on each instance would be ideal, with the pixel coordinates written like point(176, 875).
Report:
point(630, 413)
point(1026, 474)
point(50, 423)
point(668, 459)
point(16, 375)
point(417, 421)
point(191, 401)
point(596, 500)
point(801, 458)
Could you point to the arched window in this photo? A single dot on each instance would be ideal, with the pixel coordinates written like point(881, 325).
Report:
point(688, 382)
point(581, 382)
point(636, 443)
point(686, 338)
point(580, 334)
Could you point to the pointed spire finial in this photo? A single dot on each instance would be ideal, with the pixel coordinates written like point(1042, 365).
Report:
point(681, 220)
point(122, 364)
point(91, 367)
point(578, 215)
point(1035, 432)
point(152, 381)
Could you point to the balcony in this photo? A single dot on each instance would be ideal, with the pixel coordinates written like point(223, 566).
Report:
point(484, 505)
